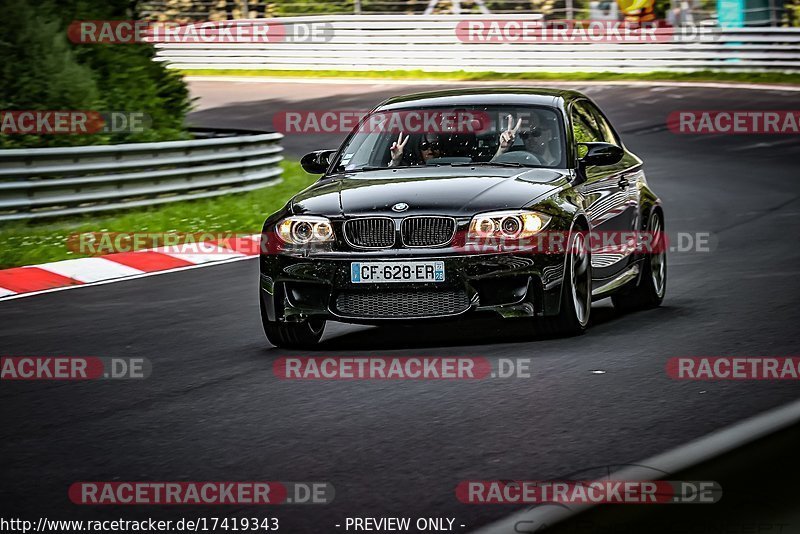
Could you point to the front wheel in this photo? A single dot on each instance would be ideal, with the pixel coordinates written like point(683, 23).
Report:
point(652, 286)
point(300, 335)
point(576, 291)
point(293, 335)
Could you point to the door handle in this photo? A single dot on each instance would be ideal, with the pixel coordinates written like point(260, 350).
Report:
point(623, 182)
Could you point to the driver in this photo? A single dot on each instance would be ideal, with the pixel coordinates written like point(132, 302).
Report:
point(428, 148)
point(537, 140)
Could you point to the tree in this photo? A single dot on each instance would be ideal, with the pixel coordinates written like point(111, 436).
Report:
point(41, 70)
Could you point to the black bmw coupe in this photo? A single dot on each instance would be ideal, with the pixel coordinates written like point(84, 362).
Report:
point(520, 202)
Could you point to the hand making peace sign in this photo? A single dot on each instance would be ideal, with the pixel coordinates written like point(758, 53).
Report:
point(508, 136)
point(397, 147)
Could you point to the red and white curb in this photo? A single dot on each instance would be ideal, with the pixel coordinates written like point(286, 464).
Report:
point(81, 272)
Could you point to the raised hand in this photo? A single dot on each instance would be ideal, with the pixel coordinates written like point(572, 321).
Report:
point(397, 147)
point(508, 136)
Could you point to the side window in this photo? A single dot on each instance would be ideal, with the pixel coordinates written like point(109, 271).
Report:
point(584, 126)
point(604, 127)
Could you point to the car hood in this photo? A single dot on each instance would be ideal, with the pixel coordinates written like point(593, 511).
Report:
point(445, 191)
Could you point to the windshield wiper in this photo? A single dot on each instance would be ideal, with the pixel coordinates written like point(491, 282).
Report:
point(489, 164)
point(365, 168)
point(376, 168)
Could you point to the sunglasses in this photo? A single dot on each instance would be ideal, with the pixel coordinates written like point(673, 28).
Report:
point(425, 145)
point(534, 132)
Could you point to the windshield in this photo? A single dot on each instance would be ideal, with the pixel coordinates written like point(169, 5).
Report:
point(524, 136)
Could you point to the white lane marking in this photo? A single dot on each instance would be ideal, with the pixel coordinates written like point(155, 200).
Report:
point(671, 462)
point(6, 292)
point(115, 280)
point(89, 269)
point(384, 82)
point(764, 144)
point(198, 252)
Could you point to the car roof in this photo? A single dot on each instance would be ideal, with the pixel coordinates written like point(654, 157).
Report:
point(536, 96)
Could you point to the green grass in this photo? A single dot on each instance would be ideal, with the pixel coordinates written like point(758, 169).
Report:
point(699, 76)
point(28, 243)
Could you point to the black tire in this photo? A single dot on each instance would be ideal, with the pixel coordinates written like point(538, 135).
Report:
point(649, 290)
point(576, 292)
point(301, 335)
point(298, 335)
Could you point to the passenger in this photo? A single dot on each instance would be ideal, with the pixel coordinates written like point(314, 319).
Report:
point(427, 149)
point(541, 140)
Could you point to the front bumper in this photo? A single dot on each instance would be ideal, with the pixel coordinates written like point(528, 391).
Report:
point(294, 288)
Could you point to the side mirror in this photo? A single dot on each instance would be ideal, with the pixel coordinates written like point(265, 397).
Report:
point(317, 162)
point(601, 154)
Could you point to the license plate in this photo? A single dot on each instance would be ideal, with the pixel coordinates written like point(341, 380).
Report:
point(396, 271)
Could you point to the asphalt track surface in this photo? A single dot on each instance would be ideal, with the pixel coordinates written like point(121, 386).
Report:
point(213, 410)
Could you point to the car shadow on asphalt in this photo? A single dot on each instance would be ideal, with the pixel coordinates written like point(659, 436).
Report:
point(478, 331)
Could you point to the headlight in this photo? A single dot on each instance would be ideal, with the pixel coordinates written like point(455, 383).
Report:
point(304, 230)
point(518, 224)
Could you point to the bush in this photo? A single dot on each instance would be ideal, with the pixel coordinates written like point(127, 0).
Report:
point(792, 15)
point(41, 70)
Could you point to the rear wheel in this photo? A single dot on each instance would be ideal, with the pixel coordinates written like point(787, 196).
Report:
point(652, 286)
point(576, 293)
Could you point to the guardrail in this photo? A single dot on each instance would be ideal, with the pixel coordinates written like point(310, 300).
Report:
point(430, 43)
point(49, 182)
